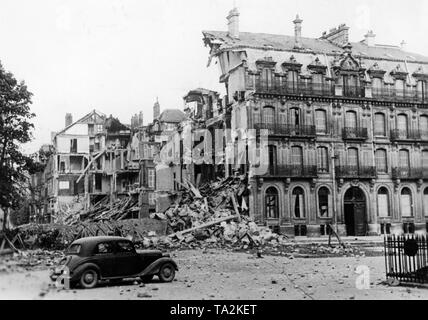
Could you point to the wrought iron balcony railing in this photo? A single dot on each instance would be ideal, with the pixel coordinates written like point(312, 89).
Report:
point(393, 94)
point(295, 88)
point(409, 173)
point(349, 133)
point(287, 129)
point(299, 171)
point(276, 86)
point(400, 135)
point(355, 172)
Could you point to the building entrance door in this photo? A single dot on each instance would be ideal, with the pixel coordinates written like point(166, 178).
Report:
point(355, 212)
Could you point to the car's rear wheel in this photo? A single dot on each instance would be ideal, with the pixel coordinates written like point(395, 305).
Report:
point(167, 272)
point(89, 279)
point(147, 278)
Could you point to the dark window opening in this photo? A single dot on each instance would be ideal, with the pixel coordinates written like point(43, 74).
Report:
point(73, 146)
point(385, 228)
point(300, 230)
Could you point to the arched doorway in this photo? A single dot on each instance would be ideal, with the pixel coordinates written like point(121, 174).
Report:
point(355, 212)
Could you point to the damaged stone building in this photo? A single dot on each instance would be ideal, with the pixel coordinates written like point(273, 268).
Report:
point(188, 155)
point(347, 128)
point(91, 161)
point(147, 140)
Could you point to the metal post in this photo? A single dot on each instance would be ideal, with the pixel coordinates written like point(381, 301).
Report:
point(333, 168)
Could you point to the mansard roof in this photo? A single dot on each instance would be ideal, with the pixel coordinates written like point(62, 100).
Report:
point(280, 48)
point(309, 45)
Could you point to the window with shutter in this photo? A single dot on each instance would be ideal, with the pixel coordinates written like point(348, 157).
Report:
point(402, 125)
point(351, 119)
point(298, 202)
point(423, 126)
point(379, 128)
point(321, 121)
point(406, 203)
point(322, 159)
point(425, 204)
point(353, 157)
point(268, 115)
point(404, 159)
point(296, 156)
point(380, 158)
point(383, 202)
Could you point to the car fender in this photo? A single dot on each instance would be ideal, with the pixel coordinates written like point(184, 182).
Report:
point(81, 268)
point(155, 266)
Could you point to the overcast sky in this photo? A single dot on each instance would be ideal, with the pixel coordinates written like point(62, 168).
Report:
point(117, 56)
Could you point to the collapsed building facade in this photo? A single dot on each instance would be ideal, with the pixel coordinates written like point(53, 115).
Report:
point(204, 113)
point(91, 161)
point(147, 141)
point(347, 127)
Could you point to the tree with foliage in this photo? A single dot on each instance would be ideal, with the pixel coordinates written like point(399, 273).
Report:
point(15, 130)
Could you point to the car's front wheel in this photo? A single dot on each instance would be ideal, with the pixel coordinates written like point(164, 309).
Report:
point(89, 279)
point(167, 272)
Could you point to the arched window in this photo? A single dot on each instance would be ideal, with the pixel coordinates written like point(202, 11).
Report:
point(402, 125)
point(425, 202)
point(351, 119)
point(271, 203)
point(383, 202)
point(381, 162)
point(298, 202)
point(268, 115)
point(379, 125)
point(322, 159)
point(406, 203)
point(323, 202)
point(321, 121)
point(423, 126)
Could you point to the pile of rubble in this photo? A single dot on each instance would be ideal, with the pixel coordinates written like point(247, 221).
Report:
point(213, 215)
point(104, 210)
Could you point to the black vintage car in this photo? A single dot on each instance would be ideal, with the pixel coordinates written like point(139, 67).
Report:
point(89, 260)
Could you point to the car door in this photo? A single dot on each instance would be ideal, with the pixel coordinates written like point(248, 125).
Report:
point(104, 257)
point(127, 261)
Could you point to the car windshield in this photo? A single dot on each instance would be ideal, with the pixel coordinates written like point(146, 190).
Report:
point(74, 249)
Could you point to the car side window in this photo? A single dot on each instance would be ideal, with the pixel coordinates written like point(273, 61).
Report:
point(125, 246)
point(104, 247)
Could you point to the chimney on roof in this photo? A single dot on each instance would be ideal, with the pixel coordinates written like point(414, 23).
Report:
point(369, 38)
point(297, 32)
point(403, 45)
point(68, 119)
point(339, 36)
point(233, 23)
point(156, 109)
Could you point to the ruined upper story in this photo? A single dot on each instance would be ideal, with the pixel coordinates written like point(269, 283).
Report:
point(326, 66)
point(202, 104)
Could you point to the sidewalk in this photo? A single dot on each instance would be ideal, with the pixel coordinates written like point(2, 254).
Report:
point(372, 240)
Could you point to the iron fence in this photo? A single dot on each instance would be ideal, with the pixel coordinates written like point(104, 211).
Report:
point(406, 258)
